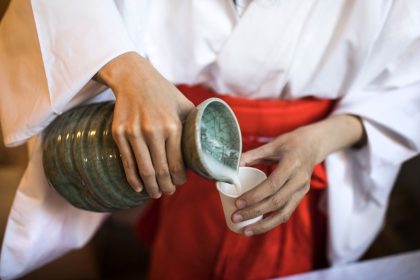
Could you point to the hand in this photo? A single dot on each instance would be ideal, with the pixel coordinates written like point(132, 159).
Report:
point(147, 124)
point(295, 153)
point(282, 191)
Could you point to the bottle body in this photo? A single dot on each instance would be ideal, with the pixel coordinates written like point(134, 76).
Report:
point(82, 162)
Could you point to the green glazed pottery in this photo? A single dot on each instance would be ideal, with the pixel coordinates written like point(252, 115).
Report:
point(82, 162)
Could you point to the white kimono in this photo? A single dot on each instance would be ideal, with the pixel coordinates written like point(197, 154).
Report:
point(364, 53)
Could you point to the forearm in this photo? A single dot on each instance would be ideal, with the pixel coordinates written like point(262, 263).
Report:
point(333, 134)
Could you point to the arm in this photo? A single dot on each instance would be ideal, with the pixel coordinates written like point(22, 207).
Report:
point(66, 54)
point(296, 153)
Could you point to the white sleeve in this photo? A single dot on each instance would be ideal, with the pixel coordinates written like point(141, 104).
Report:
point(76, 39)
point(42, 226)
point(387, 99)
point(50, 50)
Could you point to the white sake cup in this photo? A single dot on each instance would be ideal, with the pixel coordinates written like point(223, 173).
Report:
point(249, 178)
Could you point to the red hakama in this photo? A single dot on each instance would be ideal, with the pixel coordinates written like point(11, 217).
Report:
point(187, 231)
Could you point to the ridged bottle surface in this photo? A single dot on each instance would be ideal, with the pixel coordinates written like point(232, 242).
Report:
point(82, 161)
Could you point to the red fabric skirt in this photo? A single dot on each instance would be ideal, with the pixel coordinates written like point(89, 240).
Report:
point(187, 232)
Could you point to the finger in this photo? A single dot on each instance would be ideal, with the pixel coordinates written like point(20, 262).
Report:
point(130, 167)
point(266, 188)
point(175, 161)
point(144, 162)
point(257, 155)
point(280, 217)
point(271, 203)
point(160, 163)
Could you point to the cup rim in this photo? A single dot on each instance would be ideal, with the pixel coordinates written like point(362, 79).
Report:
point(199, 116)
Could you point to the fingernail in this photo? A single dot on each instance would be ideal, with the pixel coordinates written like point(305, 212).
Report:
point(240, 203)
point(158, 195)
point(248, 232)
point(139, 189)
point(237, 218)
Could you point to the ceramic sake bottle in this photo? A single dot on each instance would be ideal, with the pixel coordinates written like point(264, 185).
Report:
point(82, 162)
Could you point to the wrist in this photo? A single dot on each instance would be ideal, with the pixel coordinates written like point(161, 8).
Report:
point(333, 134)
point(312, 140)
point(118, 70)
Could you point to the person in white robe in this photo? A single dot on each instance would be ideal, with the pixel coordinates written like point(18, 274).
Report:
point(365, 54)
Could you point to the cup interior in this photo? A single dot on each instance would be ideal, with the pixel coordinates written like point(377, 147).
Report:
point(249, 178)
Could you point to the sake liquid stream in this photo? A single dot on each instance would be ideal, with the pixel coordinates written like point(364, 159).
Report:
point(225, 173)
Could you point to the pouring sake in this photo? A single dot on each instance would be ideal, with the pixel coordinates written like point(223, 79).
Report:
point(215, 137)
point(83, 164)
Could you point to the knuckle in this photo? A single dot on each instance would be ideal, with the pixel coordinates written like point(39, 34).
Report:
point(255, 212)
point(276, 202)
point(162, 172)
point(133, 132)
point(117, 130)
point(173, 126)
point(270, 148)
point(297, 163)
point(290, 162)
point(147, 173)
point(177, 170)
point(254, 197)
point(151, 130)
point(127, 165)
point(272, 185)
point(251, 213)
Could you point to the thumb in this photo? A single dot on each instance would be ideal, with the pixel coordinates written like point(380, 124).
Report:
point(257, 155)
